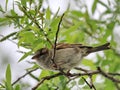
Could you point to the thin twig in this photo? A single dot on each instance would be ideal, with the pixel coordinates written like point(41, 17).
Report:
point(114, 74)
point(70, 79)
point(85, 70)
point(81, 69)
point(46, 78)
point(56, 38)
point(108, 76)
point(91, 82)
point(91, 85)
point(24, 76)
point(87, 82)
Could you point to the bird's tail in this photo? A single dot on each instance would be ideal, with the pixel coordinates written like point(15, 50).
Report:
point(99, 48)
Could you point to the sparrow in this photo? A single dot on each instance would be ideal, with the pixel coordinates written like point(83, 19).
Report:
point(66, 56)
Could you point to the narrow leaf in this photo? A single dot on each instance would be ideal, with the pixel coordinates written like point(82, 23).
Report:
point(94, 6)
point(6, 5)
point(103, 4)
point(6, 37)
point(1, 9)
point(48, 13)
point(8, 74)
point(25, 55)
point(23, 2)
point(17, 87)
point(8, 78)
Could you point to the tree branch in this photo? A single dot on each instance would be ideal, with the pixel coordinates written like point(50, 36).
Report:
point(46, 78)
point(24, 76)
point(107, 75)
point(88, 73)
point(87, 82)
point(91, 82)
point(56, 38)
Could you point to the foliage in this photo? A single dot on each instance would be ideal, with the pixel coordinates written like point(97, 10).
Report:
point(37, 29)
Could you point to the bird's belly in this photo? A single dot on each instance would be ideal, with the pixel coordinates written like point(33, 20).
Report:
point(68, 60)
point(63, 60)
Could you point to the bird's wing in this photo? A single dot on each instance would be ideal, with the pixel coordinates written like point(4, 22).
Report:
point(66, 45)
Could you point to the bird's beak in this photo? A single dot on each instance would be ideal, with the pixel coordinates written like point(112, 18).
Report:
point(35, 57)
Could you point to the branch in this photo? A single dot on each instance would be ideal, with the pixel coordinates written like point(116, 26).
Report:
point(56, 38)
point(81, 69)
point(107, 75)
point(114, 74)
point(24, 76)
point(46, 78)
point(88, 73)
point(91, 83)
point(87, 82)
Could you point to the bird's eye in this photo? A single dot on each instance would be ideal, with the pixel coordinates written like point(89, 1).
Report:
point(43, 51)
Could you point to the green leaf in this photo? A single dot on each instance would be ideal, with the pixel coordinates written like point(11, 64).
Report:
point(38, 45)
point(54, 24)
point(6, 4)
point(94, 6)
point(8, 78)
point(111, 26)
point(13, 13)
point(62, 83)
point(103, 4)
point(56, 14)
point(17, 87)
point(89, 63)
point(6, 37)
point(40, 4)
point(109, 85)
point(44, 73)
point(3, 19)
point(77, 13)
point(1, 9)
point(32, 12)
point(35, 29)
point(81, 81)
point(23, 2)
point(48, 14)
point(74, 27)
point(27, 38)
point(43, 87)
point(25, 55)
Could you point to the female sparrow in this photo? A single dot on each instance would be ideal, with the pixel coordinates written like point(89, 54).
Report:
point(67, 56)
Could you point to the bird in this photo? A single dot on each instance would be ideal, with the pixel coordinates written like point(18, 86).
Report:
point(65, 56)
